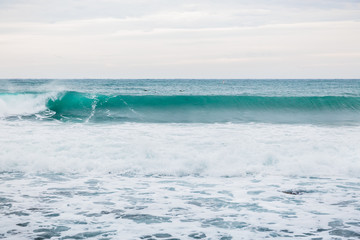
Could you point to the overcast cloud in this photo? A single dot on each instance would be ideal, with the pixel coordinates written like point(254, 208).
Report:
point(179, 39)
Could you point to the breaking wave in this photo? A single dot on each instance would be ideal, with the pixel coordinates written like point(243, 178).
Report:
point(77, 106)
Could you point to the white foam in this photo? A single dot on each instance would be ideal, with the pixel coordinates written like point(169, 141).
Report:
point(180, 149)
point(22, 104)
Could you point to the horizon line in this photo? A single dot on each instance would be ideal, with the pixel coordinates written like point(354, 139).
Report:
point(179, 78)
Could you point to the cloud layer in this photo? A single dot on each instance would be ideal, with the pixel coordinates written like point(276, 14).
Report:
point(179, 39)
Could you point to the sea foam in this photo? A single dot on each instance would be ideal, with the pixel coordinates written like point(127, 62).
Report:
point(22, 104)
point(180, 149)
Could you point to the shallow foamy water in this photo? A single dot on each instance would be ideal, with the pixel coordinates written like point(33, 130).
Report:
point(178, 181)
point(111, 206)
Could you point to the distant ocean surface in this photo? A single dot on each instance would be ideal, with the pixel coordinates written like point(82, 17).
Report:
point(179, 159)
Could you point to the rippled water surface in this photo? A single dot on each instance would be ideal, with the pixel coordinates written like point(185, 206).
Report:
point(113, 206)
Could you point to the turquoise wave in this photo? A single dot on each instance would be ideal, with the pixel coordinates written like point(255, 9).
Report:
point(201, 108)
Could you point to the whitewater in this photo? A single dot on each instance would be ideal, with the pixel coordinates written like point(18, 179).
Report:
point(179, 159)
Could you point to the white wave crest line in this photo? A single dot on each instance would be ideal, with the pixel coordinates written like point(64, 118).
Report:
point(93, 108)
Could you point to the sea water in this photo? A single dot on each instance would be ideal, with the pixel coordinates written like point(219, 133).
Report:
point(179, 159)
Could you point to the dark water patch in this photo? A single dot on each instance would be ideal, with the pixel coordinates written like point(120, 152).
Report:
point(137, 200)
point(275, 235)
point(226, 238)
point(288, 214)
point(92, 182)
point(353, 183)
point(145, 218)
point(22, 224)
point(5, 205)
point(162, 235)
point(201, 192)
point(296, 192)
point(351, 187)
point(146, 237)
point(199, 235)
point(357, 224)
point(262, 229)
point(91, 194)
point(318, 213)
point(189, 220)
point(156, 236)
point(47, 233)
point(36, 209)
point(221, 223)
point(117, 211)
point(52, 215)
point(217, 203)
point(309, 234)
point(50, 199)
point(228, 193)
point(18, 213)
point(345, 203)
point(93, 215)
point(63, 193)
point(137, 207)
point(105, 212)
point(58, 177)
point(344, 233)
point(105, 203)
point(336, 223)
point(9, 175)
point(5, 200)
point(65, 189)
point(195, 203)
point(85, 235)
point(75, 222)
point(13, 232)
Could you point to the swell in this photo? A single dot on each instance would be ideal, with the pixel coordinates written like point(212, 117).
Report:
point(78, 106)
point(76, 100)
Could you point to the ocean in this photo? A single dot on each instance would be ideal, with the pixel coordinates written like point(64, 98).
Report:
point(179, 159)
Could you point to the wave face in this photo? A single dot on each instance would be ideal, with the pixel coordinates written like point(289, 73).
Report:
point(85, 107)
point(77, 106)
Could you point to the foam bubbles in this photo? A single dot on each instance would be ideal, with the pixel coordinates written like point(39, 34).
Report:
point(22, 104)
point(180, 149)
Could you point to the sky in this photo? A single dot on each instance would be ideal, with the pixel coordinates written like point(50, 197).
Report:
point(179, 39)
